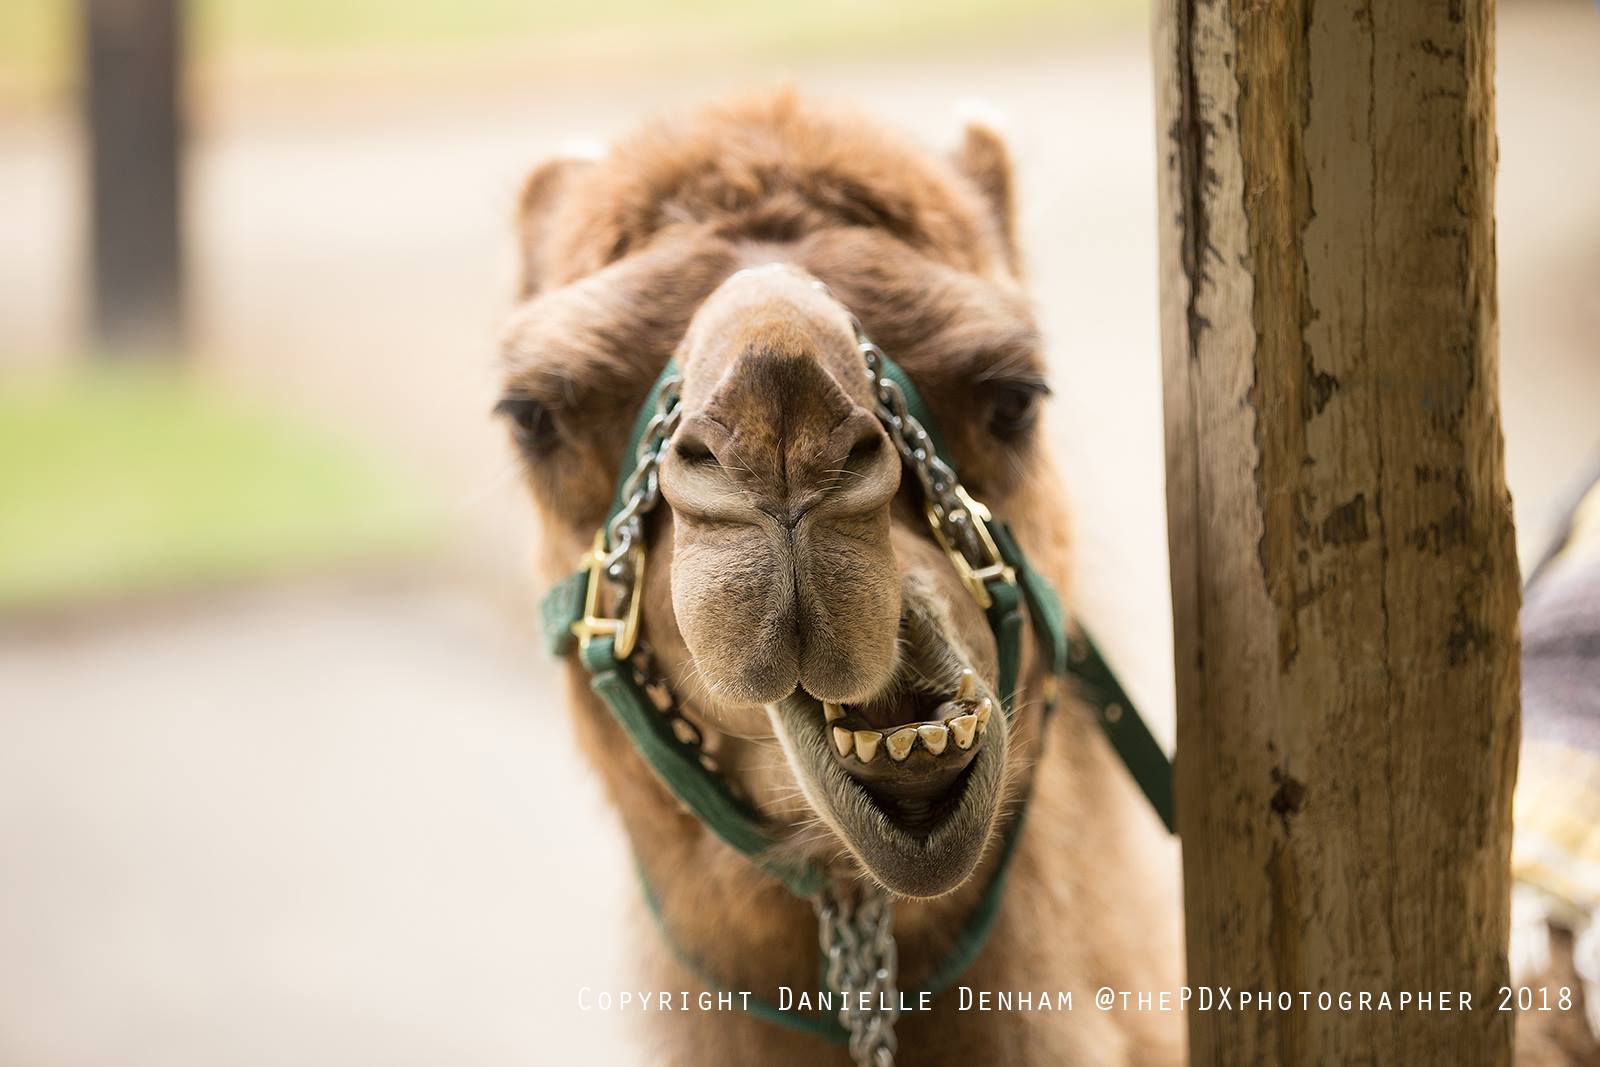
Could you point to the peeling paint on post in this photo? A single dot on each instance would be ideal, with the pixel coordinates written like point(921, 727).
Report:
point(1344, 578)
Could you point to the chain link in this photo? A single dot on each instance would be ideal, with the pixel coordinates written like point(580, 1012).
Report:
point(642, 489)
point(941, 489)
point(855, 927)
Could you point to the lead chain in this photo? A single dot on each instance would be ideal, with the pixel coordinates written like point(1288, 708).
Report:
point(911, 439)
point(855, 927)
point(642, 489)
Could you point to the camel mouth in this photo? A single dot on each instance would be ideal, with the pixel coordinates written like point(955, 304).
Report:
point(909, 780)
point(909, 748)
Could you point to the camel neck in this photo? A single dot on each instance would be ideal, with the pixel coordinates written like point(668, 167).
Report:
point(937, 939)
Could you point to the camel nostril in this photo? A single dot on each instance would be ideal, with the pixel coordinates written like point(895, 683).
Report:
point(864, 451)
point(694, 451)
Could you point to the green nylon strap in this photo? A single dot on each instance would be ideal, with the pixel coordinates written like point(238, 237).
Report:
point(1005, 622)
point(1141, 753)
point(827, 1027)
point(969, 942)
point(560, 608)
point(630, 455)
point(1094, 681)
point(1049, 617)
point(678, 766)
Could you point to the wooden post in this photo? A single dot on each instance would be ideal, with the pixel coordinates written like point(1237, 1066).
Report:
point(131, 71)
point(1344, 582)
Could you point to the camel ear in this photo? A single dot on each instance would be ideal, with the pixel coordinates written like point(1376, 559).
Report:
point(985, 160)
point(543, 193)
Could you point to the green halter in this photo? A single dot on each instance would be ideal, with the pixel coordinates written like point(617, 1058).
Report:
point(1002, 581)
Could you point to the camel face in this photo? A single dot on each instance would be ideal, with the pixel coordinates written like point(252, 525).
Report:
point(794, 592)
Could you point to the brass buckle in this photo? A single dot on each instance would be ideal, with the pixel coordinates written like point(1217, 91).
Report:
point(624, 627)
point(993, 565)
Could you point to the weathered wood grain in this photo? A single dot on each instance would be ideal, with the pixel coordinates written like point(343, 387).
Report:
point(1344, 581)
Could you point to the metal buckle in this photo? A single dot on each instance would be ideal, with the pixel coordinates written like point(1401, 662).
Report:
point(993, 565)
point(625, 627)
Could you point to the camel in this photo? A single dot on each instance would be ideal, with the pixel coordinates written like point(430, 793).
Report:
point(817, 644)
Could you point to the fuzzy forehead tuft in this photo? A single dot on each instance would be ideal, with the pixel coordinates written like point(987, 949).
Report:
point(769, 167)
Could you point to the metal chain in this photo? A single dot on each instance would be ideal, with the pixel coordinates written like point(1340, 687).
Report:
point(642, 489)
point(940, 486)
point(855, 927)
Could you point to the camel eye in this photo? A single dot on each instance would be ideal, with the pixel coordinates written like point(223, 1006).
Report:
point(533, 424)
point(1014, 408)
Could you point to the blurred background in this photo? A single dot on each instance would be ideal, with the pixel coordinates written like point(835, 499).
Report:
point(284, 774)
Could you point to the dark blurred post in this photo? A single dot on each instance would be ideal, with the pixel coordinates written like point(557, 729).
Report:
point(131, 75)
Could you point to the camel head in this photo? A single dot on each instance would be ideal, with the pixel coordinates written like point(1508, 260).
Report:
point(794, 595)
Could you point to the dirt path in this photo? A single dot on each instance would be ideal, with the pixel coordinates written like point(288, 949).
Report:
point(311, 826)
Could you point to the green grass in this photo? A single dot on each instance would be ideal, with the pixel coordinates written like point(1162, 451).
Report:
point(37, 36)
point(115, 485)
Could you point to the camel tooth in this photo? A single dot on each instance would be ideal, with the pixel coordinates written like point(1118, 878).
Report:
point(867, 744)
point(934, 738)
point(984, 708)
point(900, 743)
point(968, 687)
point(962, 727)
point(843, 740)
point(833, 711)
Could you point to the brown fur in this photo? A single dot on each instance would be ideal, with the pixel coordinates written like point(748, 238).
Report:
point(624, 257)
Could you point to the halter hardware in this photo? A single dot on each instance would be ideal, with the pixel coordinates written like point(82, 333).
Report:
point(623, 628)
point(992, 565)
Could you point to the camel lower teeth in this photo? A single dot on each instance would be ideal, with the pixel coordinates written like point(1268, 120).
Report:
point(900, 743)
point(867, 744)
point(962, 728)
point(935, 737)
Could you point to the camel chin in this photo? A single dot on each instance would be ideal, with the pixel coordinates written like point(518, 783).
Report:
point(910, 781)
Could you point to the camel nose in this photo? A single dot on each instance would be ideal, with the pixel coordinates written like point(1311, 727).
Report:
point(779, 481)
point(781, 429)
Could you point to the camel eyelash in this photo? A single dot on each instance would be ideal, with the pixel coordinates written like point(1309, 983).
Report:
point(533, 422)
